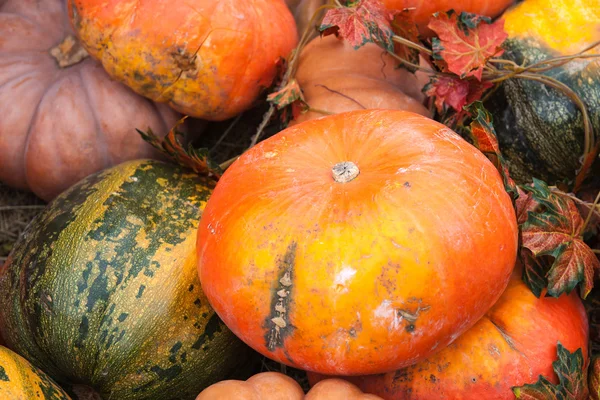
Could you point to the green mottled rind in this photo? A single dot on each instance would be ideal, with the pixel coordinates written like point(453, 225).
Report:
point(19, 380)
point(540, 130)
point(102, 288)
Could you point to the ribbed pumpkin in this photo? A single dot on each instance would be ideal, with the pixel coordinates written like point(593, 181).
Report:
point(540, 129)
point(277, 386)
point(62, 117)
point(19, 380)
point(357, 243)
point(512, 345)
point(102, 289)
point(335, 78)
point(206, 58)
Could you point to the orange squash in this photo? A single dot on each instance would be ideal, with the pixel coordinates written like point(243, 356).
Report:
point(512, 345)
point(335, 77)
point(357, 243)
point(277, 386)
point(207, 58)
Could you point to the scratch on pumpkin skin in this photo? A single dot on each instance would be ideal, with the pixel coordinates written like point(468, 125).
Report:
point(278, 320)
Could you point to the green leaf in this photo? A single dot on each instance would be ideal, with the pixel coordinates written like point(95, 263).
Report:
point(570, 369)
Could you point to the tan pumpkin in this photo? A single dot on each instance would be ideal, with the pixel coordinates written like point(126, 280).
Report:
point(277, 386)
point(336, 78)
point(62, 117)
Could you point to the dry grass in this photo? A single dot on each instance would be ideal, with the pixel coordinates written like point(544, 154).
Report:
point(17, 209)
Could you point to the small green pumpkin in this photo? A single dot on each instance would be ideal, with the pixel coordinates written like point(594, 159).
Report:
point(19, 380)
point(102, 289)
point(539, 128)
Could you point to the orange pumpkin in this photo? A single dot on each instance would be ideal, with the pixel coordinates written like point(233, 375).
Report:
point(335, 77)
point(207, 58)
point(61, 116)
point(277, 386)
point(423, 9)
point(357, 243)
point(512, 345)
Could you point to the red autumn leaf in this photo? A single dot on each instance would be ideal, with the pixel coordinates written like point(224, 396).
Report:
point(454, 91)
point(594, 379)
point(525, 203)
point(361, 22)
point(196, 159)
point(466, 42)
point(404, 25)
point(287, 95)
point(557, 231)
point(485, 139)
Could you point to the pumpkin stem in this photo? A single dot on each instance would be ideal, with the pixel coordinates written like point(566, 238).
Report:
point(68, 52)
point(344, 171)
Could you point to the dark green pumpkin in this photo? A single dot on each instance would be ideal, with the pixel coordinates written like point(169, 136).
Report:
point(19, 380)
point(102, 289)
point(539, 128)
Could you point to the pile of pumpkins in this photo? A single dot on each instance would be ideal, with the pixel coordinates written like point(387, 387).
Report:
point(373, 247)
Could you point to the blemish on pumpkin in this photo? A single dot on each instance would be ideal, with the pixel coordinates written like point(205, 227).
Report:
point(277, 322)
point(3, 376)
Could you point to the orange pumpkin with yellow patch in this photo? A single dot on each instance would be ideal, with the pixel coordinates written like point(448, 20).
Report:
point(206, 58)
point(357, 243)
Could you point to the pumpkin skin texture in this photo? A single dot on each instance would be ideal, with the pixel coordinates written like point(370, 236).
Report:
point(540, 129)
point(335, 77)
point(512, 345)
point(102, 288)
point(206, 58)
point(277, 386)
point(358, 277)
point(60, 124)
point(19, 380)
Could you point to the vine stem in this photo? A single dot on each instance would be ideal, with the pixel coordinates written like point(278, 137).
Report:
point(591, 212)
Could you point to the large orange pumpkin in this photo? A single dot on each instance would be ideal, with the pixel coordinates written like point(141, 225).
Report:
point(357, 243)
point(335, 77)
point(512, 345)
point(61, 116)
point(206, 58)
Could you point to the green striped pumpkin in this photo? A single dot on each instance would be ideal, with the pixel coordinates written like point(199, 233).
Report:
point(539, 128)
point(102, 289)
point(19, 380)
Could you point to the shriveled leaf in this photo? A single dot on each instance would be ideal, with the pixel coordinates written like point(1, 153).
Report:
point(525, 203)
point(287, 95)
point(190, 157)
point(466, 41)
point(485, 139)
point(557, 231)
point(360, 22)
point(570, 369)
point(454, 92)
point(404, 25)
point(594, 379)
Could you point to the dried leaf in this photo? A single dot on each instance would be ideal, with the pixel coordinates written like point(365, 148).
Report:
point(195, 159)
point(556, 230)
point(594, 379)
point(485, 139)
point(405, 26)
point(287, 95)
point(466, 41)
point(455, 92)
point(361, 22)
point(570, 369)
